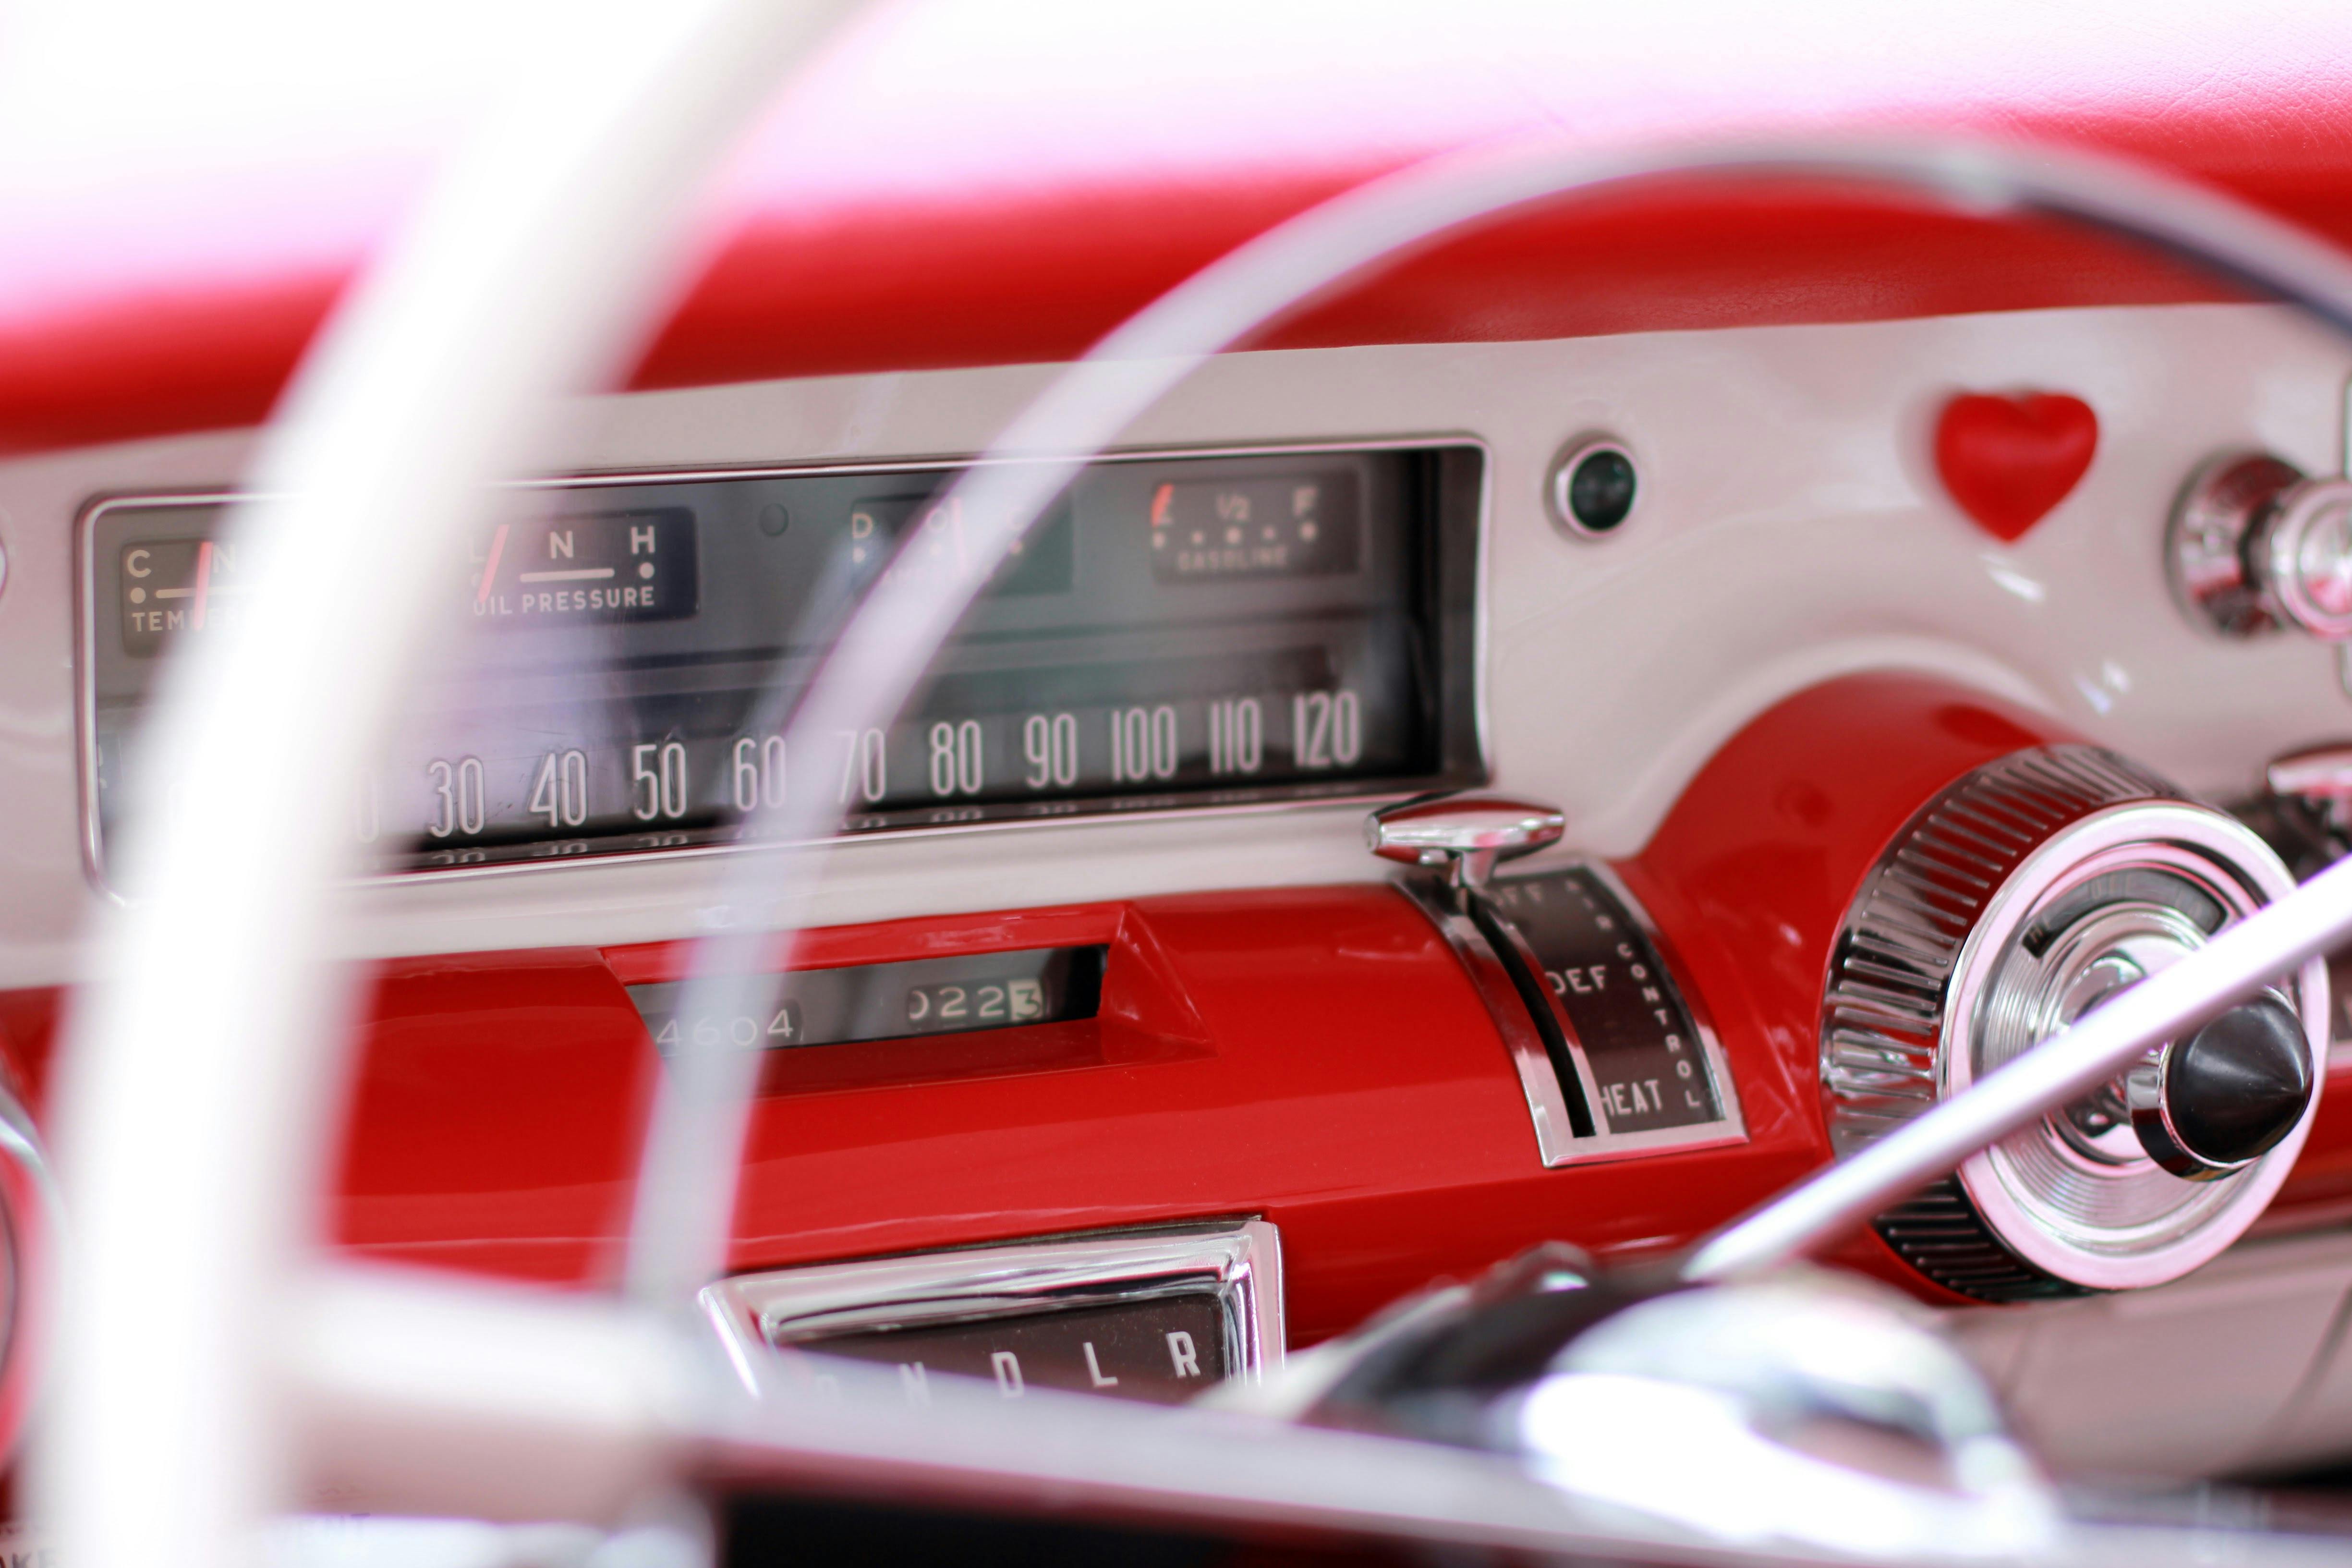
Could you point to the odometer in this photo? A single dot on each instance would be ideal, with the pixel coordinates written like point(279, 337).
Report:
point(1183, 632)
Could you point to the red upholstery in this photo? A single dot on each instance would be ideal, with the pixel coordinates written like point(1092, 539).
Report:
point(978, 183)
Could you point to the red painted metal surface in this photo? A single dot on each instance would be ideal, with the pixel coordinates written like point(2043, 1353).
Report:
point(971, 184)
point(1346, 1083)
point(496, 1116)
point(1753, 869)
point(1315, 1056)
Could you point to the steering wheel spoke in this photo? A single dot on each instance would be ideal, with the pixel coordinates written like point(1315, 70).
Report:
point(418, 1393)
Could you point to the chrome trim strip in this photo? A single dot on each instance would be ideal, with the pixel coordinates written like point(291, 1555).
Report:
point(1547, 1105)
point(1474, 699)
point(1239, 1264)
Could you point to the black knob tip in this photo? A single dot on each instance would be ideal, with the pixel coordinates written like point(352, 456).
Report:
point(2239, 1085)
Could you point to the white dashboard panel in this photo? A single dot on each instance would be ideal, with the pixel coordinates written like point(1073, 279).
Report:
point(2240, 1367)
point(1790, 528)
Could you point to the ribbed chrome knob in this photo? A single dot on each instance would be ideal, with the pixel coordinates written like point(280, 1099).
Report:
point(2025, 894)
point(1463, 834)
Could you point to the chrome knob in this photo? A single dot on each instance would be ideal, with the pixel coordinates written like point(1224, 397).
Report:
point(2305, 542)
point(2214, 1101)
point(2256, 546)
point(1463, 834)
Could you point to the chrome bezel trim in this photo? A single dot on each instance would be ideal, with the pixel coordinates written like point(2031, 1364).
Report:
point(2282, 532)
point(1239, 1264)
point(2214, 1213)
point(32, 1232)
point(1563, 470)
point(1468, 686)
point(1555, 1142)
point(1546, 1106)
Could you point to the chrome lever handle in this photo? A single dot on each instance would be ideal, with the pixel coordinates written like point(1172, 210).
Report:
point(1465, 835)
point(2320, 776)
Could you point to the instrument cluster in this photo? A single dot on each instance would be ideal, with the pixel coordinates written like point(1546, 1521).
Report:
point(621, 652)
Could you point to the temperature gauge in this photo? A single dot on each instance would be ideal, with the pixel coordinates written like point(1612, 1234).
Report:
point(170, 586)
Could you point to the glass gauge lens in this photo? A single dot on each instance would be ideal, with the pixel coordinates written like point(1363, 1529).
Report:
point(1181, 632)
point(888, 1001)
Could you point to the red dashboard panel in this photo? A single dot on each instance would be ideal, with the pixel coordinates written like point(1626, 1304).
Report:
point(1313, 1056)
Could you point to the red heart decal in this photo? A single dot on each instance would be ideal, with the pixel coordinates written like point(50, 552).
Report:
point(2008, 460)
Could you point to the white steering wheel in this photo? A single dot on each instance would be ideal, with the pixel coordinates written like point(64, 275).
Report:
point(217, 1365)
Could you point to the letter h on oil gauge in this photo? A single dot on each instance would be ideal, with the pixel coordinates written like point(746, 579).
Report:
point(1614, 1051)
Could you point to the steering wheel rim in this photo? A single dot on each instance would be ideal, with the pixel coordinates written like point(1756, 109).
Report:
point(199, 1511)
point(532, 267)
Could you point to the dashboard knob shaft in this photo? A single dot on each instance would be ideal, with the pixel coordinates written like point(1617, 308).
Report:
point(2320, 776)
point(2214, 1101)
point(2304, 540)
point(1466, 835)
point(2256, 546)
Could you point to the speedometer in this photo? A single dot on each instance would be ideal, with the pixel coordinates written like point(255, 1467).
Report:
point(1184, 632)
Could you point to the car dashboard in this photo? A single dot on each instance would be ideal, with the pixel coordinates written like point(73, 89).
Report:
point(1759, 561)
point(1195, 999)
